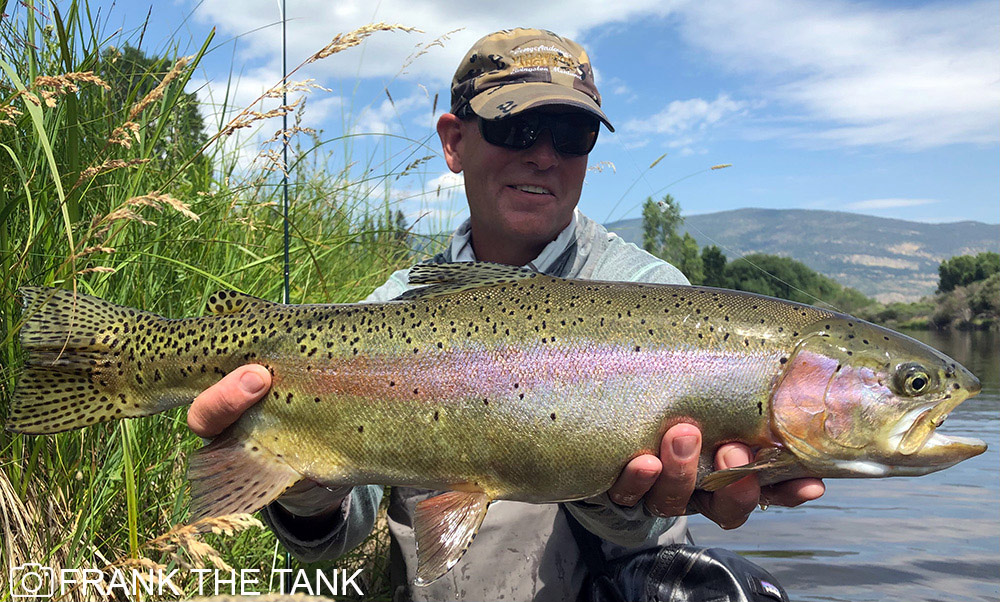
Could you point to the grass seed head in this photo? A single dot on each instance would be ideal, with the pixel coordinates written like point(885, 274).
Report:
point(107, 166)
point(123, 134)
point(157, 93)
point(343, 41)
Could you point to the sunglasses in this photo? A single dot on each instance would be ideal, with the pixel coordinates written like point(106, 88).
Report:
point(572, 133)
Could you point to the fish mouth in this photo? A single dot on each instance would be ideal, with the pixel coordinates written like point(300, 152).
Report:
point(918, 428)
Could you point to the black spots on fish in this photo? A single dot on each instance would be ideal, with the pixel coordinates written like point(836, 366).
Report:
point(416, 391)
point(746, 342)
point(361, 428)
point(437, 415)
point(637, 348)
point(552, 416)
point(849, 352)
point(316, 399)
point(486, 401)
point(289, 397)
point(783, 361)
point(760, 408)
point(956, 386)
point(839, 366)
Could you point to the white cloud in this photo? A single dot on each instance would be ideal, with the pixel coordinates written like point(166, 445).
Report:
point(684, 122)
point(438, 206)
point(912, 77)
point(387, 116)
point(689, 115)
point(832, 72)
point(312, 23)
point(874, 204)
point(446, 185)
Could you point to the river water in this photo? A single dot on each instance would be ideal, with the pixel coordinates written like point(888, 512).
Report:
point(921, 539)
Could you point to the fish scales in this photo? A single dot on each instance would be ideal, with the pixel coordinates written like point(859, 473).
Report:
point(450, 366)
point(499, 383)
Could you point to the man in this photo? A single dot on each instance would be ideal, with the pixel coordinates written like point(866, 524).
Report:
point(525, 113)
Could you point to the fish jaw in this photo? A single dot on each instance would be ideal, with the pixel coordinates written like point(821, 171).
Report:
point(851, 410)
point(921, 449)
point(917, 427)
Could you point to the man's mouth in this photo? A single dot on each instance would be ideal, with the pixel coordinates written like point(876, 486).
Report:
point(531, 189)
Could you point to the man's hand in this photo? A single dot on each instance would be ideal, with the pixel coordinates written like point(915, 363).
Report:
point(224, 402)
point(667, 483)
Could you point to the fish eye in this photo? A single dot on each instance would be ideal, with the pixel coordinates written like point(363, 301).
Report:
point(913, 380)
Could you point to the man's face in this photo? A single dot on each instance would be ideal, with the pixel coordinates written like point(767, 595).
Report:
point(519, 197)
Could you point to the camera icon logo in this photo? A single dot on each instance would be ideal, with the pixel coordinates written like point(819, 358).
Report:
point(32, 580)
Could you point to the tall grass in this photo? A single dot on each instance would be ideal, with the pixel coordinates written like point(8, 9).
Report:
point(104, 190)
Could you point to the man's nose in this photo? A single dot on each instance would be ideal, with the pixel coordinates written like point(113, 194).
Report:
point(542, 154)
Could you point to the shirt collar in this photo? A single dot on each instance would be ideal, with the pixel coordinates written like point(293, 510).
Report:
point(460, 247)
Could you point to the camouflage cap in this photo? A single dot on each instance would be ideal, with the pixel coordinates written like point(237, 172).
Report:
point(515, 70)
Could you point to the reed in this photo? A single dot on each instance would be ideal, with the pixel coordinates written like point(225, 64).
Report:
point(106, 190)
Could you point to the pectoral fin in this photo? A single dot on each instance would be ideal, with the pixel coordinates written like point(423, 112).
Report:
point(768, 464)
point(444, 526)
point(233, 474)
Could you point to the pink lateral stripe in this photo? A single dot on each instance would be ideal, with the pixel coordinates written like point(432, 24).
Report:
point(461, 373)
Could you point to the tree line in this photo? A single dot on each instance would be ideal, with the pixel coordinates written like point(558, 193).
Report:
point(761, 273)
point(968, 287)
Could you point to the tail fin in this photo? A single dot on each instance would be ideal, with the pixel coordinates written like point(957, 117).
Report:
point(75, 374)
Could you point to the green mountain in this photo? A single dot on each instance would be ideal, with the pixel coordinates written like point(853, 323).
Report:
point(888, 259)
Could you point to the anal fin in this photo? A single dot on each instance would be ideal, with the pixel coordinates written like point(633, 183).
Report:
point(234, 474)
point(444, 526)
point(768, 464)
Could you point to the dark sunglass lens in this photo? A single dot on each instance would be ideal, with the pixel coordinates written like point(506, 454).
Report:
point(516, 132)
point(574, 134)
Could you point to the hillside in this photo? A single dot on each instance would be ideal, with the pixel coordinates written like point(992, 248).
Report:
point(888, 259)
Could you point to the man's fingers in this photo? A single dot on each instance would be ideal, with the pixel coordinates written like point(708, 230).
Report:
point(635, 480)
point(224, 402)
point(730, 506)
point(679, 450)
point(793, 493)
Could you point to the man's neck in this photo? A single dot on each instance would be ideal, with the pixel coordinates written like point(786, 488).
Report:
point(504, 252)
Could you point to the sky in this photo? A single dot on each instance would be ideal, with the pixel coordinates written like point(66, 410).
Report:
point(882, 108)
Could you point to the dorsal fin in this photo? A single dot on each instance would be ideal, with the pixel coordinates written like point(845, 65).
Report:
point(449, 278)
point(225, 303)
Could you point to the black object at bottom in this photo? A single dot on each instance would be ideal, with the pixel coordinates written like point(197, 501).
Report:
point(674, 573)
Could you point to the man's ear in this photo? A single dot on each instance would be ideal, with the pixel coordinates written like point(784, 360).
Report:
point(449, 128)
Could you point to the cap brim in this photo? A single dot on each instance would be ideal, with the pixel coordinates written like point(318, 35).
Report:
point(511, 99)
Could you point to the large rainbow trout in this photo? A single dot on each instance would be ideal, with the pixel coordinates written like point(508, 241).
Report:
point(494, 382)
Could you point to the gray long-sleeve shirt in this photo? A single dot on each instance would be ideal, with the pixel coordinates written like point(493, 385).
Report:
point(522, 551)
